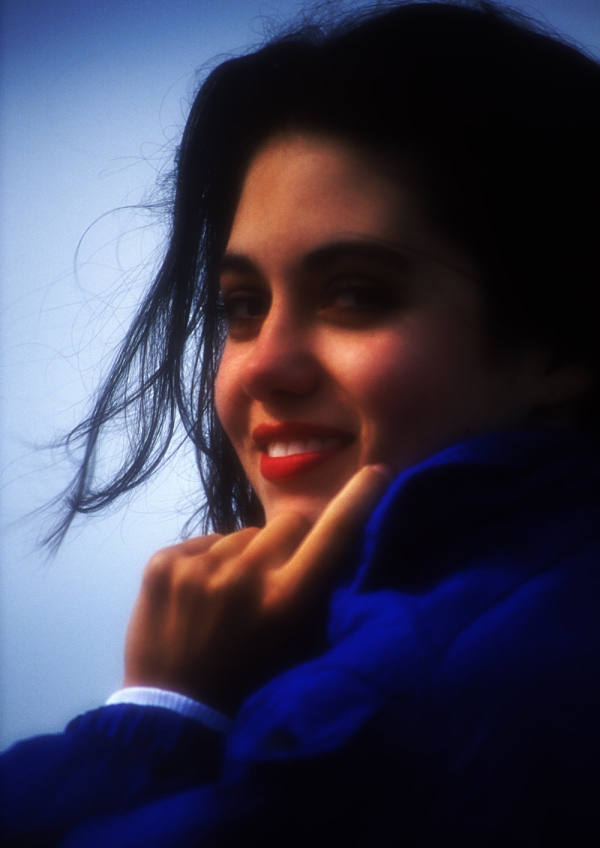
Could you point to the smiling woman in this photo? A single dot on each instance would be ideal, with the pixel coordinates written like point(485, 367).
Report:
point(346, 344)
point(374, 319)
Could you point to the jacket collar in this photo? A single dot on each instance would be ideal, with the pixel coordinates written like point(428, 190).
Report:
point(475, 485)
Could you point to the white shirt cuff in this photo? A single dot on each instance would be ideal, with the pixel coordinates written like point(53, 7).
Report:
point(148, 696)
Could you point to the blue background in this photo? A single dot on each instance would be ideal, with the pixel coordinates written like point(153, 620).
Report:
point(93, 98)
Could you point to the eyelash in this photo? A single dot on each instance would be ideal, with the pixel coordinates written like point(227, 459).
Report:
point(371, 297)
point(229, 302)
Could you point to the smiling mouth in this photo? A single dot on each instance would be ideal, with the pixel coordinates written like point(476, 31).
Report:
point(292, 448)
point(281, 449)
point(293, 464)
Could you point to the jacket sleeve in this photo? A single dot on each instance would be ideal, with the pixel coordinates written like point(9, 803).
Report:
point(107, 761)
point(146, 778)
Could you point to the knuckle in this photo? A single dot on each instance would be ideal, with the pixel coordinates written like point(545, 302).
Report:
point(159, 567)
point(239, 578)
point(211, 562)
point(226, 583)
point(198, 544)
point(248, 534)
point(188, 580)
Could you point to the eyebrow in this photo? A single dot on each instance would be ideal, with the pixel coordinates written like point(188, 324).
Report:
point(327, 254)
point(394, 256)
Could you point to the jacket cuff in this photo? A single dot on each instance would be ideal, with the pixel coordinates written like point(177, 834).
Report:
point(150, 696)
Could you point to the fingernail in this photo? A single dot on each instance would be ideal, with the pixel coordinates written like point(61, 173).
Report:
point(384, 470)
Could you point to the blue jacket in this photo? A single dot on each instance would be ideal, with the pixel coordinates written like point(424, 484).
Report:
point(456, 700)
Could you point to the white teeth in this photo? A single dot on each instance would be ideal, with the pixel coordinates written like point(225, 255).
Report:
point(277, 449)
point(307, 446)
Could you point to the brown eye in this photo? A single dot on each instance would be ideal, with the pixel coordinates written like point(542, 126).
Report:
point(243, 306)
point(242, 311)
point(358, 295)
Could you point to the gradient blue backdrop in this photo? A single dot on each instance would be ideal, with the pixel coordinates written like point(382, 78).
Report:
point(93, 98)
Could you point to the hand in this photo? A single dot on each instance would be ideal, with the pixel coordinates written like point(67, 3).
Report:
point(216, 615)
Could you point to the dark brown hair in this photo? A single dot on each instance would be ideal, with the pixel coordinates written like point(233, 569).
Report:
point(502, 123)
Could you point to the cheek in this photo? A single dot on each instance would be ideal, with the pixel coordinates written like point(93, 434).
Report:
point(414, 392)
point(227, 402)
point(386, 381)
point(389, 374)
point(396, 393)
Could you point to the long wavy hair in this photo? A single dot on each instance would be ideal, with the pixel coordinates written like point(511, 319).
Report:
point(501, 123)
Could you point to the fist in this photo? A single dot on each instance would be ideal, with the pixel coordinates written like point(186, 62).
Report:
point(217, 616)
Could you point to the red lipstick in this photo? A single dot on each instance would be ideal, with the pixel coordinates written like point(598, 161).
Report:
point(291, 465)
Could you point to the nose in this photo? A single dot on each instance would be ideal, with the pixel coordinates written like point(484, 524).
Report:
point(281, 361)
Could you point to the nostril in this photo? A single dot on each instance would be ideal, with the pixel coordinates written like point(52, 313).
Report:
point(281, 373)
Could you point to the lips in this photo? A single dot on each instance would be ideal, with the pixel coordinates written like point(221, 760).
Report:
point(294, 447)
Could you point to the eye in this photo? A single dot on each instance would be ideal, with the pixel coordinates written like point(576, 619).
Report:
point(241, 308)
point(355, 296)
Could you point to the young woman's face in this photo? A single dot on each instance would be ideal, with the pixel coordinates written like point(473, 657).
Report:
point(355, 331)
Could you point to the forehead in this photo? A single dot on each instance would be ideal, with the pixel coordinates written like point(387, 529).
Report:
point(304, 191)
point(324, 181)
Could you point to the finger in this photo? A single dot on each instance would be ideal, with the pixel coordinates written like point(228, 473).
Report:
point(321, 549)
point(198, 544)
point(159, 565)
point(278, 541)
point(227, 548)
point(206, 552)
point(231, 544)
point(269, 548)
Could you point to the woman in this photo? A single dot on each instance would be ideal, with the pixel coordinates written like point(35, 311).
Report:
point(379, 280)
